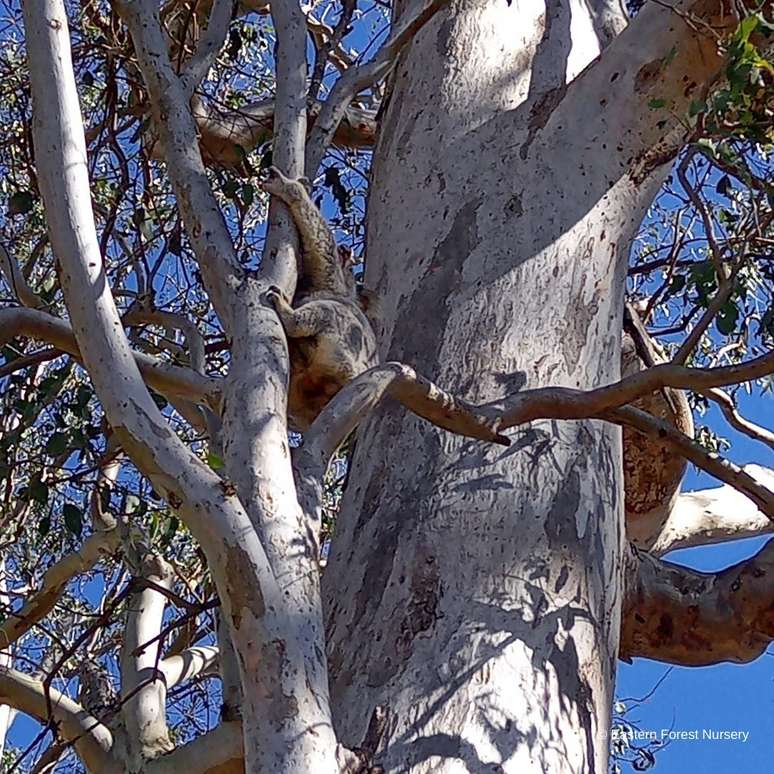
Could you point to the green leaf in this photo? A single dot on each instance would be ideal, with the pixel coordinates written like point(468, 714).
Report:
point(697, 106)
point(230, 189)
point(655, 104)
point(248, 194)
point(73, 519)
point(171, 528)
point(677, 283)
point(38, 491)
point(727, 318)
point(56, 444)
point(746, 27)
point(214, 461)
point(20, 203)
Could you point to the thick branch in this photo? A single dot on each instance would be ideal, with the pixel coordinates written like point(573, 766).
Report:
point(691, 618)
point(92, 740)
point(253, 603)
point(355, 79)
point(667, 55)
point(279, 265)
point(217, 752)
point(226, 135)
point(143, 689)
point(192, 662)
point(715, 516)
point(163, 377)
point(54, 583)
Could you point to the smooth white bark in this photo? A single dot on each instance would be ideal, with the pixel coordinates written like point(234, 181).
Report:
point(714, 516)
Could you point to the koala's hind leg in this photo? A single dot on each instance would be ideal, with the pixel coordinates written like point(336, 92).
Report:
point(298, 323)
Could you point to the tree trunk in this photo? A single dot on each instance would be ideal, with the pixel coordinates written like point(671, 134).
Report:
point(473, 591)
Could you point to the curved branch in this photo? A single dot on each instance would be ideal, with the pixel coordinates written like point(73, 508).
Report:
point(91, 739)
point(55, 580)
point(720, 468)
point(16, 280)
point(714, 516)
point(355, 79)
point(360, 396)
point(682, 616)
point(735, 419)
point(171, 321)
point(226, 135)
point(163, 377)
point(219, 751)
point(192, 662)
point(568, 403)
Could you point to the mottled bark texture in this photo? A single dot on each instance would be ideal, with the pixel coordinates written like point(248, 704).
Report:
point(474, 591)
point(693, 618)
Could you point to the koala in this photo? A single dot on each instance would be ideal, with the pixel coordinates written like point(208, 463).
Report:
point(330, 340)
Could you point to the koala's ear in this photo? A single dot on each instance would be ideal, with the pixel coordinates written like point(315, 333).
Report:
point(306, 182)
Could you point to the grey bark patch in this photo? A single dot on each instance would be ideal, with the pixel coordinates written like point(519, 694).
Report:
point(418, 336)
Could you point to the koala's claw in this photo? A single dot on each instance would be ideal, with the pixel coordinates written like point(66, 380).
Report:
point(274, 295)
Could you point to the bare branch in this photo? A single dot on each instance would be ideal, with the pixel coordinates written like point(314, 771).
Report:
point(143, 689)
point(714, 516)
point(354, 80)
point(209, 45)
point(192, 662)
point(176, 129)
point(682, 616)
point(16, 280)
point(722, 469)
point(163, 377)
point(253, 603)
point(92, 740)
point(227, 134)
point(568, 403)
point(218, 751)
point(54, 582)
point(279, 265)
point(735, 419)
point(171, 321)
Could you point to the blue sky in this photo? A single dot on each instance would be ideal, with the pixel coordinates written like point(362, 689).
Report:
point(723, 697)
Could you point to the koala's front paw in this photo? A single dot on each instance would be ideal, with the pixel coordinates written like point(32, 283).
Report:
point(275, 296)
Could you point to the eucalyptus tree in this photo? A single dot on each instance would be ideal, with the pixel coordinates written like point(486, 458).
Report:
point(568, 233)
